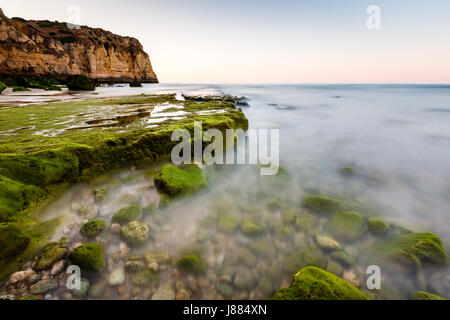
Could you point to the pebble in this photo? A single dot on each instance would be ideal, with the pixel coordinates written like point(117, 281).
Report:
point(154, 266)
point(20, 276)
point(57, 268)
point(182, 295)
point(43, 286)
point(350, 277)
point(117, 277)
point(115, 228)
point(164, 292)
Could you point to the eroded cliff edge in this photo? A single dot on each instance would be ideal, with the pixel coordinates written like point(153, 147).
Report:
point(44, 48)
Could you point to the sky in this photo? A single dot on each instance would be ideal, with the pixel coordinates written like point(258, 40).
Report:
point(261, 41)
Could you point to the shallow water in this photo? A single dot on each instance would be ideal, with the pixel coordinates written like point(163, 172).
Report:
point(397, 136)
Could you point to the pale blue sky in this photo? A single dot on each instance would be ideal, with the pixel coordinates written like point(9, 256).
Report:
point(261, 41)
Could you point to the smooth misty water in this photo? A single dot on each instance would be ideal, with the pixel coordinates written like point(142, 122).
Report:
point(399, 134)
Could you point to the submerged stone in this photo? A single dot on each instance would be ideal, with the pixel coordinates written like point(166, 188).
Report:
point(128, 214)
point(93, 227)
point(164, 292)
point(343, 258)
point(321, 204)
point(377, 226)
point(174, 181)
point(44, 286)
point(99, 194)
point(89, 257)
point(412, 250)
point(82, 292)
point(191, 263)
point(313, 283)
point(304, 223)
point(422, 295)
point(327, 243)
point(250, 229)
point(347, 226)
point(117, 277)
point(145, 278)
point(135, 233)
point(51, 253)
point(304, 257)
point(227, 223)
point(134, 264)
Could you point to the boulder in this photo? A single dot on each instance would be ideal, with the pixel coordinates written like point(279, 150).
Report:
point(377, 226)
point(44, 286)
point(164, 292)
point(51, 253)
point(321, 205)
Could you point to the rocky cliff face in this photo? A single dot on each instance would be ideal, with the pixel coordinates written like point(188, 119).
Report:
point(51, 49)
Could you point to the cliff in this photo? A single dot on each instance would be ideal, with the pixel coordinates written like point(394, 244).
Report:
point(43, 48)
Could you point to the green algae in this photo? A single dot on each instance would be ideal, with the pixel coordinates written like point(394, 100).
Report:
point(93, 227)
point(51, 253)
point(321, 205)
point(174, 181)
point(412, 250)
point(422, 295)
point(347, 226)
point(128, 214)
point(89, 257)
point(313, 283)
point(377, 226)
point(191, 263)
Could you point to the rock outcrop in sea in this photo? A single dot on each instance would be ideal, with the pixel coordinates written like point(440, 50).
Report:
point(51, 49)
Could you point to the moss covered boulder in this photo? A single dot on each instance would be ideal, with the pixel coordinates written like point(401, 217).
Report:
point(128, 214)
point(346, 226)
point(190, 263)
point(51, 253)
point(412, 250)
point(135, 233)
point(377, 226)
point(12, 242)
point(422, 295)
point(80, 83)
point(313, 283)
point(173, 181)
point(89, 257)
point(93, 227)
point(321, 204)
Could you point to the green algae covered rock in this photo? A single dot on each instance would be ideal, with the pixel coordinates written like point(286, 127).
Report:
point(227, 223)
point(99, 194)
point(30, 297)
point(313, 283)
point(377, 226)
point(128, 214)
point(347, 226)
point(135, 233)
point(173, 181)
point(190, 263)
point(412, 250)
point(304, 257)
point(422, 295)
point(304, 223)
point(93, 227)
point(80, 83)
point(89, 257)
point(343, 258)
point(51, 253)
point(12, 242)
point(250, 229)
point(321, 204)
